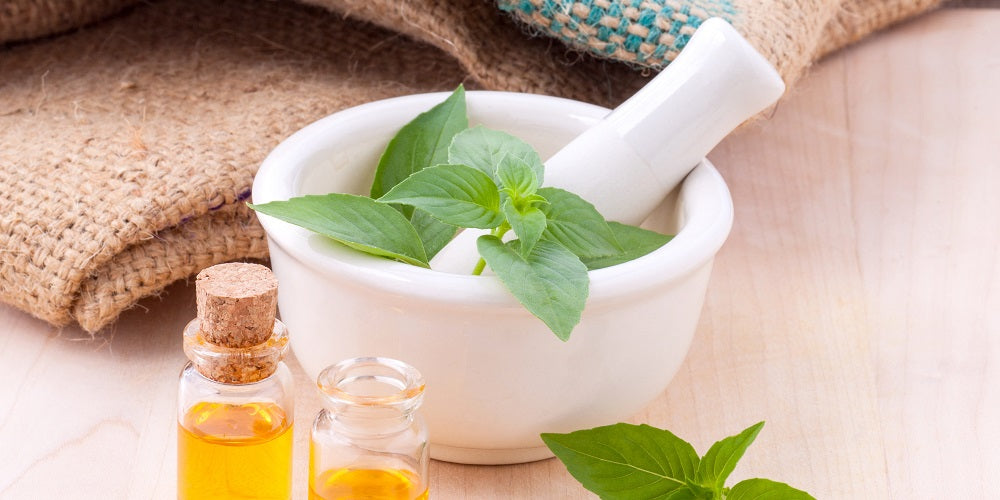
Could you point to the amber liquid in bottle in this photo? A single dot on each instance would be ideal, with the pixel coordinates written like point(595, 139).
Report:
point(240, 443)
point(369, 484)
point(369, 442)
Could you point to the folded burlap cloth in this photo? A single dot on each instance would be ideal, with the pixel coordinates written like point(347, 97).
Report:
point(128, 145)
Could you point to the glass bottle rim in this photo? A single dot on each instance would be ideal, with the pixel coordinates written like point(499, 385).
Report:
point(336, 381)
point(204, 354)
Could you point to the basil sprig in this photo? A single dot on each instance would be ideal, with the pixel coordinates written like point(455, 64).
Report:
point(641, 462)
point(437, 176)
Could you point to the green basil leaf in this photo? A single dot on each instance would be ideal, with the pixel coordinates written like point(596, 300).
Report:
point(535, 200)
point(575, 224)
point(421, 143)
point(686, 494)
point(765, 489)
point(625, 461)
point(721, 458)
point(434, 234)
point(454, 194)
point(516, 177)
point(356, 221)
point(482, 148)
point(635, 242)
point(528, 224)
point(550, 282)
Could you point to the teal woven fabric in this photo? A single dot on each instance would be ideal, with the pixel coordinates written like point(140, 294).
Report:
point(645, 32)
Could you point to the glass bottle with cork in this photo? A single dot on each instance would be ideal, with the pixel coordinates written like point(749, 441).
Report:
point(369, 441)
point(235, 398)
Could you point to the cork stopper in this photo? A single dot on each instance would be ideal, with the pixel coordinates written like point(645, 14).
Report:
point(235, 339)
point(236, 304)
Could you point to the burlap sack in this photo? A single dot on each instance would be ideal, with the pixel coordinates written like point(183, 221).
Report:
point(650, 33)
point(128, 147)
point(26, 19)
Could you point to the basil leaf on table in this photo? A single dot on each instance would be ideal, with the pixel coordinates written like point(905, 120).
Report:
point(638, 462)
point(765, 489)
point(626, 461)
point(720, 460)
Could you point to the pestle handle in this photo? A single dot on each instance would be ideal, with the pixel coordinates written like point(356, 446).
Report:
point(629, 161)
point(642, 150)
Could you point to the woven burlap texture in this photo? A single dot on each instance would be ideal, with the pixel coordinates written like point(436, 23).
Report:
point(25, 19)
point(128, 147)
point(650, 33)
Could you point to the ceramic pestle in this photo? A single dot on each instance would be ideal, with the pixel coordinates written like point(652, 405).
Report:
point(629, 161)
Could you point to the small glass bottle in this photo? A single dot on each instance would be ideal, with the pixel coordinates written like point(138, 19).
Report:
point(235, 400)
point(369, 441)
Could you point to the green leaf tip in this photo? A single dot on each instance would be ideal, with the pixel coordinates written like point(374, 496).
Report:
point(720, 460)
point(575, 224)
point(528, 224)
point(765, 489)
point(421, 143)
point(356, 221)
point(635, 242)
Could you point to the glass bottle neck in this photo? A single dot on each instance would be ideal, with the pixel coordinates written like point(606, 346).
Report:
point(371, 395)
point(368, 421)
point(235, 365)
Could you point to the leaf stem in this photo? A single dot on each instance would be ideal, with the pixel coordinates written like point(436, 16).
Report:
point(498, 232)
point(478, 270)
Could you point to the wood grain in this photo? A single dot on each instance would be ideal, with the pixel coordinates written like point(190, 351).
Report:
point(925, 157)
point(855, 308)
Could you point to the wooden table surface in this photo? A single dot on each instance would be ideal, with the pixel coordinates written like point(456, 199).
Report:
point(855, 308)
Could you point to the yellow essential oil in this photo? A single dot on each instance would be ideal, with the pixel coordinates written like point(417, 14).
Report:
point(366, 484)
point(234, 451)
point(369, 442)
point(235, 398)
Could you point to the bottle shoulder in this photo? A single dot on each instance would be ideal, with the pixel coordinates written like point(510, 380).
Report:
point(194, 388)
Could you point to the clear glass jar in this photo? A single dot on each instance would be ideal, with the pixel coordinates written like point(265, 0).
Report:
point(370, 440)
point(234, 416)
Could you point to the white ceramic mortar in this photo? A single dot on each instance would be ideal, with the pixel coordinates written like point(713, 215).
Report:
point(496, 376)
